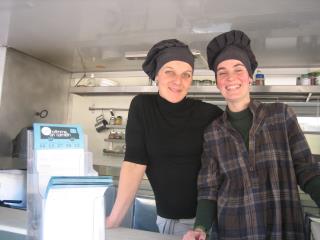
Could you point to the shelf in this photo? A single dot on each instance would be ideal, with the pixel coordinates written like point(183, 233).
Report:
point(112, 153)
point(312, 132)
point(269, 93)
point(107, 109)
point(118, 90)
point(115, 140)
point(116, 126)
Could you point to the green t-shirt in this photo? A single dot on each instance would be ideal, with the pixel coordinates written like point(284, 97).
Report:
point(242, 122)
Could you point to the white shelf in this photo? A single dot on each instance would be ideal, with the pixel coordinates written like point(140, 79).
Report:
point(118, 90)
point(193, 89)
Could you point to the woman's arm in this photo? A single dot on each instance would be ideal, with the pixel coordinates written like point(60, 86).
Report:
point(130, 178)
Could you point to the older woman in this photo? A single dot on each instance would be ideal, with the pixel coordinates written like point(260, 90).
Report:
point(255, 156)
point(164, 140)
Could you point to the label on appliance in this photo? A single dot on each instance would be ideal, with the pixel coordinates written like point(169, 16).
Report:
point(57, 136)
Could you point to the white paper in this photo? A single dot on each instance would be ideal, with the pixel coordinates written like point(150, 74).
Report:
point(74, 213)
point(58, 162)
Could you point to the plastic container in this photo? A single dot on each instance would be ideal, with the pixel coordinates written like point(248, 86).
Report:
point(298, 82)
point(259, 78)
point(196, 82)
point(118, 120)
point(305, 80)
point(317, 78)
point(312, 77)
point(206, 82)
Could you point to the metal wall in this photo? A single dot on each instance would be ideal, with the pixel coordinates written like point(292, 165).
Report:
point(30, 86)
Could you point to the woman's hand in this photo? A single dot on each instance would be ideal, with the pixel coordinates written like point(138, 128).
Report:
point(197, 234)
point(111, 224)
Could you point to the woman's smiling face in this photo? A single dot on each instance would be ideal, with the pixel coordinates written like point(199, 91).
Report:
point(174, 80)
point(233, 81)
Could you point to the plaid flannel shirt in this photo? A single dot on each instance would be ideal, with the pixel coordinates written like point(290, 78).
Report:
point(256, 189)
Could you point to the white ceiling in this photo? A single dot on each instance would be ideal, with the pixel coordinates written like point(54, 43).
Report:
point(93, 35)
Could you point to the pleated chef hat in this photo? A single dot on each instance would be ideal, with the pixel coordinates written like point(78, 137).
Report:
point(166, 51)
point(231, 45)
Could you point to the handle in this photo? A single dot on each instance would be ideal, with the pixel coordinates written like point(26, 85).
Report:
point(99, 118)
point(43, 113)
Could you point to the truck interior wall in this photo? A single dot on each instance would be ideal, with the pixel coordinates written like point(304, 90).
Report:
point(29, 86)
point(79, 112)
point(3, 51)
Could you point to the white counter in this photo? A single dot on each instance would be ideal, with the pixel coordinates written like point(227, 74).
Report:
point(15, 221)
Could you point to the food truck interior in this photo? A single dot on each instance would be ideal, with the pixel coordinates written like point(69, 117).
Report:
point(79, 62)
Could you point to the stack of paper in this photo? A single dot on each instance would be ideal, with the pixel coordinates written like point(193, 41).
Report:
point(74, 208)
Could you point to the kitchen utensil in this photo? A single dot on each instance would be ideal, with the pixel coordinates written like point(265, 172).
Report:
point(101, 123)
point(112, 120)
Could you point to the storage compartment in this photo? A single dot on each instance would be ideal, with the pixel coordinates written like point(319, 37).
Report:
point(13, 185)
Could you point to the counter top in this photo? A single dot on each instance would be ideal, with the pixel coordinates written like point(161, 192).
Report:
point(15, 221)
point(133, 234)
point(12, 163)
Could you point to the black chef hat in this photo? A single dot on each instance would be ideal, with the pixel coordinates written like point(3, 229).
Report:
point(166, 51)
point(231, 45)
